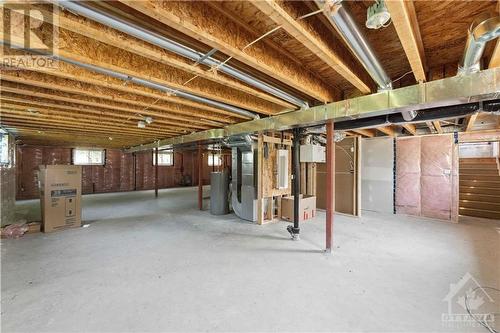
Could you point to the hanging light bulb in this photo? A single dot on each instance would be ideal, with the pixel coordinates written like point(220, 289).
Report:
point(141, 124)
point(148, 120)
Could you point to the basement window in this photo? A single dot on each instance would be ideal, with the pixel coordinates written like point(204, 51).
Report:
point(214, 160)
point(165, 158)
point(88, 156)
point(4, 148)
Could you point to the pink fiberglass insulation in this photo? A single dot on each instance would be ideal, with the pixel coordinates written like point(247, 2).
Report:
point(408, 176)
point(436, 178)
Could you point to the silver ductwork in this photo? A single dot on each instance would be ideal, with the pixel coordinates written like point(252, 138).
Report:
point(478, 35)
point(339, 15)
point(172, 46)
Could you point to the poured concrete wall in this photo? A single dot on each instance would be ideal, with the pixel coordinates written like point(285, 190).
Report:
point(377, 174)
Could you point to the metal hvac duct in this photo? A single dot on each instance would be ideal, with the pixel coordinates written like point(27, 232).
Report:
point(172, 46)
point(339, 15)
point(477, 36)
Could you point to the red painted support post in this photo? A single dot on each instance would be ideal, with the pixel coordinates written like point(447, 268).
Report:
point(156, 172)
point(200, 179)
point(330, 184)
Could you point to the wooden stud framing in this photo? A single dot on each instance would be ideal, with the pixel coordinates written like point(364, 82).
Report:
point(370, 133)
point(388, 130)
point(410, 128)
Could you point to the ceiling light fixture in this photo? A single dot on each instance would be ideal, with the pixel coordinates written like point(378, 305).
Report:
point(148, 120)
point(377, 15)
point(141, 124)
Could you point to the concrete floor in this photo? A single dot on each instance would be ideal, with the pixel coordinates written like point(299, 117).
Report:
point(161, 265)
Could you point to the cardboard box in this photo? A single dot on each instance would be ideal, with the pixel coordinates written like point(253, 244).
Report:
point(307, 208)
point(60, 196)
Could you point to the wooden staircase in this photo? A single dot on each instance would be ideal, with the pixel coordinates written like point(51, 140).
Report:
point(480, 187)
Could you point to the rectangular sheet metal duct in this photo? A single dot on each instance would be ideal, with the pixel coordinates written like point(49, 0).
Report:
point(473, 87)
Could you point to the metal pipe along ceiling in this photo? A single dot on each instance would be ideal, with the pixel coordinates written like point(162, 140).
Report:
point(172, 46)
point(146, 83)
point(340, 17)
point(477, 37)
point(347, 27)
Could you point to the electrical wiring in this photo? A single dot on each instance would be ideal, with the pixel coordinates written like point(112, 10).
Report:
point(482, 322)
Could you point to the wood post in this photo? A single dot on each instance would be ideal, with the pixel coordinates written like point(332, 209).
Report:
point(330, 184)
point(156, 172)
point(200, 179)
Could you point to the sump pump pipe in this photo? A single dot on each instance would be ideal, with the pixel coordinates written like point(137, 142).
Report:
point(172, 46)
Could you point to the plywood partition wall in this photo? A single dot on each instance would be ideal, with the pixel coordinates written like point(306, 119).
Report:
point(346, 178)
point(427, 177)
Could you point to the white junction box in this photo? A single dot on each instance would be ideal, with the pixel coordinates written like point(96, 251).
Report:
point(312, 154)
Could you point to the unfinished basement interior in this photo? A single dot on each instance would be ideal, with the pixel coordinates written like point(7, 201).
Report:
point(256, 166)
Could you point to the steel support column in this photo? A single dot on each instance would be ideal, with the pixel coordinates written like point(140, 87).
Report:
point(295, 230)
point(200, 179)
point(330, 184)
point(156, 172)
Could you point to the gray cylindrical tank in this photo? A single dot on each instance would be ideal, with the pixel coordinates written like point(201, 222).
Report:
point(219, 193)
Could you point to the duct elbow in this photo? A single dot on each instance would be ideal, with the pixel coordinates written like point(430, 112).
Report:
point(478, 35)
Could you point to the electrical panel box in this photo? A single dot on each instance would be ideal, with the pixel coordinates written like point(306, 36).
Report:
point(282, 182)
point(312, 154)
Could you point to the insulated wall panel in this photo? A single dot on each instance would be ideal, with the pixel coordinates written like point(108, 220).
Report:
point(427, 177)
point(377, 174)
point(8, 186)
point(408, 176)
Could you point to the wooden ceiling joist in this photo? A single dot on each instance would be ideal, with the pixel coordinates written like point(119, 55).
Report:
point(209, 26)
point(88, 51)
point(127, 122)
point(83, 100)
point(437, 126)
point(77, 74)
point(388, 130)
point(149, 105)
point(404, 19)
point(370, 133)
point(469, 121)
point(312, 40)
point(120, 40)
point(89, 125)
point(410, 128)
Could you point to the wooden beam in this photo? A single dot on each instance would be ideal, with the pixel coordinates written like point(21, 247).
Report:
point(404, 19)
point(370, 133)
point(78, 76)
point(312, 40)
point(93, 102)
point(469, 122)
point(148, 105)
point(495, 57)
point(115, 38)
point(410, 128)
point(437, 126)
point(207, 25)
point(124, 62)
point(129, 124)
point(388, 130)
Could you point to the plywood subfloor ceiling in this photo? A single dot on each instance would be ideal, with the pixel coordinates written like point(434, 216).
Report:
point(72, 106)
